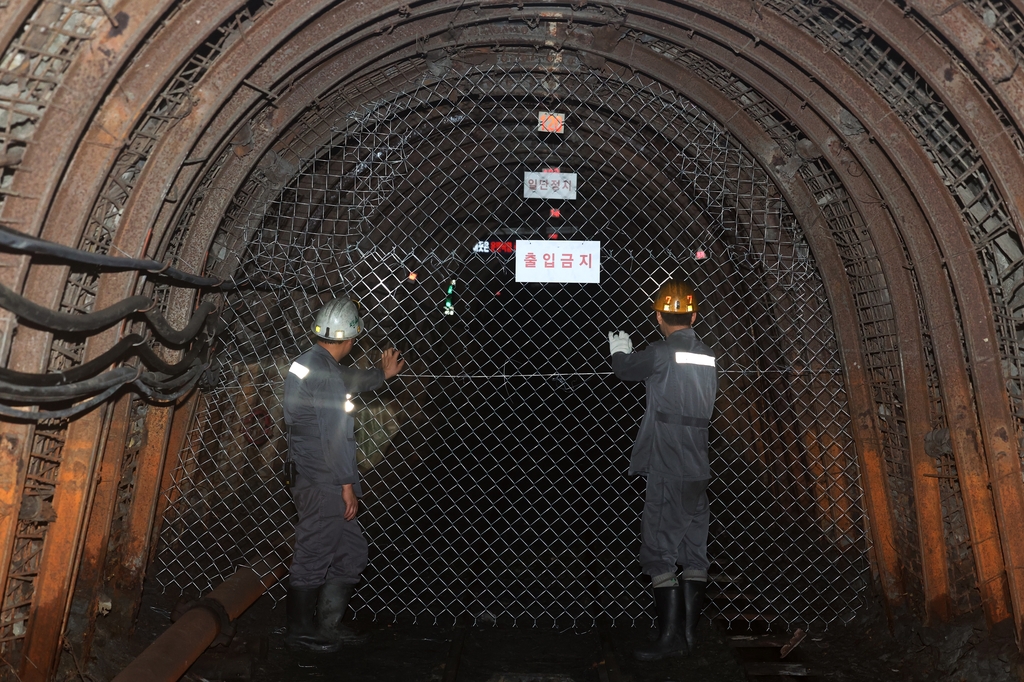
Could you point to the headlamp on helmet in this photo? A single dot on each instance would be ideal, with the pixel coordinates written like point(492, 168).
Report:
point(338, 320)
point(675, 297)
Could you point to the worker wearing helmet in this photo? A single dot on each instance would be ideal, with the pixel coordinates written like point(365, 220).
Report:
point(330, 551)
point(671, 451)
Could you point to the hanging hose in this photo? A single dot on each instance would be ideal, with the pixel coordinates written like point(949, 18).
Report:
point(169, 382)
point(129, 346)
point(153, 381)
point(23, 415)
point(169, 397)
point(155, 362)
point(52, 320)
point(109, 381)
point(16, 241)
point(79, 389)
point(122, 375)
point(179, 338)
point(83, 371)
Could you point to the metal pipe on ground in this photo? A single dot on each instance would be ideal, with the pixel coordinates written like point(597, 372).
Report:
point(173, 652)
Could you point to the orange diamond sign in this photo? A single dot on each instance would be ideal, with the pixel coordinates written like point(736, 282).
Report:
point(548, 122)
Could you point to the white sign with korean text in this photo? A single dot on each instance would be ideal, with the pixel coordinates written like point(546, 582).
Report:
point(549, 185)
point(555, 260)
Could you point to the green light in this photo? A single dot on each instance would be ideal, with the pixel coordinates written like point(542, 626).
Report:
point(449, 307)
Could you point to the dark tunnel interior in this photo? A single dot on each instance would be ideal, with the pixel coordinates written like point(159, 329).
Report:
point(182, 187)
point(495, 469)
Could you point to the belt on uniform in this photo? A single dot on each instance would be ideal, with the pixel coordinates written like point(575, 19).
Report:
point(682, 420)
point(304, 430)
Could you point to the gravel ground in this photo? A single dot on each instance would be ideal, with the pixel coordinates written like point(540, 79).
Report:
point(867, 649)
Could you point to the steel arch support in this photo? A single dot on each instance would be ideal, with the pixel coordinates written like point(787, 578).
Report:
point(865, 427)
point(184, 415)
point(128, 566)
point(96, 534)
point(16, 14)
point(954, 383)
point(54, 580)
point(982, 47)
point(958, 93)
point(959, 257)
point(802, 202)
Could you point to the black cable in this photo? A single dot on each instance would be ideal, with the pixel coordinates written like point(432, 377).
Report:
point(78, 373)
point(156, 363)
point(168, 397)
point(40, 415)
point(129, 346)
point(17, 241)
point(153, 381)
point(173, 336)
point(79, 389)
point(52, 320)
point(120, 377)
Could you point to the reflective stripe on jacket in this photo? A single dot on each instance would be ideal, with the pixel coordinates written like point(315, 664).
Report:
point(682, 382)
point(321, 439)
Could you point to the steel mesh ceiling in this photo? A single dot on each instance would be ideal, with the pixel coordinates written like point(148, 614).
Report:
point(494, 466)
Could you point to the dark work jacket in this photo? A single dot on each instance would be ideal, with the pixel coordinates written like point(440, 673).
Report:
point(682, 381)
point(322, 437)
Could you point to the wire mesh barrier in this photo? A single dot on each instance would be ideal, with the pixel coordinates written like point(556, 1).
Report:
point(494, 466)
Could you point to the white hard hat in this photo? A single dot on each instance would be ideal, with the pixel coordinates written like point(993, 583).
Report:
point(338, 320)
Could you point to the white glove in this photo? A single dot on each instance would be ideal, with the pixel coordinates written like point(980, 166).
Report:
point(619, 342)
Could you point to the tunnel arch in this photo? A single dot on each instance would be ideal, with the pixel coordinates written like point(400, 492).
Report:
point(510, 88)
point(897, 137)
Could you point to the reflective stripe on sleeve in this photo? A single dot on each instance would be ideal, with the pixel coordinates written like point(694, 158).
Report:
point(301, 372)
point(695, 359)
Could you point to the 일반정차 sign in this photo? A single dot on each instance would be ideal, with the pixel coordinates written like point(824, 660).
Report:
point(542, 260)
point(549, 185)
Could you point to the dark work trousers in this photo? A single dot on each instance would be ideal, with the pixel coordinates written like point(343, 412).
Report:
point(327, 547)
point(674, 529)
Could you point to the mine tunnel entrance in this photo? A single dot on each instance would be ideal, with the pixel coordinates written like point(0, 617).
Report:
point(495, 464)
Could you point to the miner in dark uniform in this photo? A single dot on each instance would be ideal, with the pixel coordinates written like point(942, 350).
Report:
point(330, 551)
point(671, 450)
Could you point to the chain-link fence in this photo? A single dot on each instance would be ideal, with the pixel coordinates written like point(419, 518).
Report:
point(494, 466)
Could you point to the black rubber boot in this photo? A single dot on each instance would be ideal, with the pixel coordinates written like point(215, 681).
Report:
point(668, 603)
point(303, 633)
point(693, 598)
point(330, 610)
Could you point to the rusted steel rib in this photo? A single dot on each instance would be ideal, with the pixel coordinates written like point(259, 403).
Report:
point(60, 550)
point(130, 566)
point(982, 47)
point(182, 421)
point(16, 13)
point(958, 93)
point(997, 427)
point(169, 657)
point(88, 79)
point(96, 534)
point(779, 80)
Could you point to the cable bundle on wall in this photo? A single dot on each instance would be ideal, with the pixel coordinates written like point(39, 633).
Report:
point(22, 393)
